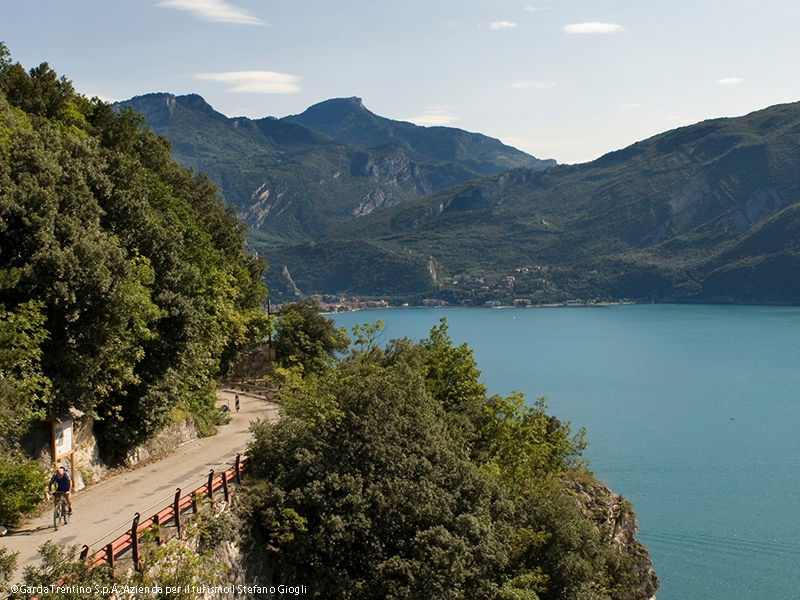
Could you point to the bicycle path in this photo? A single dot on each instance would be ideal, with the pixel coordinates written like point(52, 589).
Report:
point(111, 504)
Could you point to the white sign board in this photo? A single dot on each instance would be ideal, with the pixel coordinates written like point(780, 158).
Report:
point(63, 433)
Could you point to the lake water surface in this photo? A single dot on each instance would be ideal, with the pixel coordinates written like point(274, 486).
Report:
point(691, 412)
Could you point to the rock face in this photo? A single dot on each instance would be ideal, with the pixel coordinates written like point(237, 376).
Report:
point(89, 467)
point(165, 442)
point(293, 182)
point(614, 517)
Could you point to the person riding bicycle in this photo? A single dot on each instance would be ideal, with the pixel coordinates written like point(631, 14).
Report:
point(63, 484)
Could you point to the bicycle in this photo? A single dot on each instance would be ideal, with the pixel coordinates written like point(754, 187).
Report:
point(60, 509)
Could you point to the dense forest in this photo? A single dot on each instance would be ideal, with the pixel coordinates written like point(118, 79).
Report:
point(392, 475)
point(125, 288)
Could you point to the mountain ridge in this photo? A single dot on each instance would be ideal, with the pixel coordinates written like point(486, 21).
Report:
point(660, 220)
point(348, 120)
point(288, 181)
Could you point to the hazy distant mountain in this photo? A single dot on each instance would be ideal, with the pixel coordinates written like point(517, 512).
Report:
point(347, 120)
point(288, 181)
point(709, 212)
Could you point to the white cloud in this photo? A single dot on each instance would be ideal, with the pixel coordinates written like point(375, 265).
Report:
point(256, 82)
point(630, 105)
point(502, 25)
point(535, 8)
point(521, 85)
point(434, 116)
point(217, 11)
point(730, 81)
point(593, 27)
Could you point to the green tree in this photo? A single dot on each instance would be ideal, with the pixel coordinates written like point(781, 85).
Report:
point(524, 445)
point(571, 554)
point(453, 379)
point(366, 489)
point(452, 373)
point(306, 338)
point(8, 560)
point(391, 507)
point(60, 566)
point(23, 387)
point(40, 92)
point(145, 288)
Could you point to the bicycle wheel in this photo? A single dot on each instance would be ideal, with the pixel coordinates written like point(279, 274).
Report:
point(56, 513)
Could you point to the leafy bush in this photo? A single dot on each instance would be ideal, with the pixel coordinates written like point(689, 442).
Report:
point(23, 484)
point(177, 564)
point(61, 565)
point(392, 476)
point(8, 564)
point(305, 338)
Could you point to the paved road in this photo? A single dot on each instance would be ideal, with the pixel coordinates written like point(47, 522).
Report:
point(103, 507)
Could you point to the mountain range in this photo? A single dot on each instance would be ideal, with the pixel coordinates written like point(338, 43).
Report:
point(292, 178)
point(704, 213)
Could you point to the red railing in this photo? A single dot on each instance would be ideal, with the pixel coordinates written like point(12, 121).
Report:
point(173, 512)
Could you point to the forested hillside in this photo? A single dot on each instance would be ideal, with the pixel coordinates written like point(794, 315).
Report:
point(125, 287)
point(702, 213)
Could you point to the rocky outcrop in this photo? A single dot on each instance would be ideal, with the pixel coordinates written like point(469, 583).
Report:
point(264, 201)
point(479, 196)
point(373, 200)
point(89, 467)
point(688, 205)
point(614, 517)
point(292, 287)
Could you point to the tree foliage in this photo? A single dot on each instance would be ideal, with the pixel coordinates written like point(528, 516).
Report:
point(137, 270)
point(23, 387)
point(391, 475)
point(23, 484)
point(305, 338)
point(8, 565)
point(62, 574)
point(520, 443)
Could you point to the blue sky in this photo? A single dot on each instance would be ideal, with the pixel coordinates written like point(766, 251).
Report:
point(563, 79)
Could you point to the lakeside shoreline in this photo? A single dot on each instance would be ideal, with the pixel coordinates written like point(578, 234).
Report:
point(325, 311)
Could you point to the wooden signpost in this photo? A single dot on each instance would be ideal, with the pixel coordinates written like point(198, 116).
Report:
point(61, 428)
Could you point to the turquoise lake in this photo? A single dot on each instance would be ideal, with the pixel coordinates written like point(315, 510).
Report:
point(692, 413)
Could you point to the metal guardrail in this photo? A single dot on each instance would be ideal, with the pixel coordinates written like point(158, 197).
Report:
point(172, 512)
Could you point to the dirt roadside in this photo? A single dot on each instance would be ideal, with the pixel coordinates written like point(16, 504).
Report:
point(110, 504)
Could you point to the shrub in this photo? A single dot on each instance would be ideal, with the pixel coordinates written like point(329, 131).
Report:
point(23, 484)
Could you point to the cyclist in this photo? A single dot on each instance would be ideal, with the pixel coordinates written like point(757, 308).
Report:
point(63, 484)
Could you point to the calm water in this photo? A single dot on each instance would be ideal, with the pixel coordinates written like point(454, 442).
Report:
point(692, 413)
